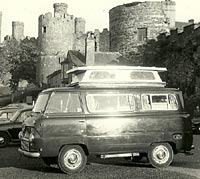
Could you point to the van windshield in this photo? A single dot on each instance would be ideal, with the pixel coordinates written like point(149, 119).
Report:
point(41, 103)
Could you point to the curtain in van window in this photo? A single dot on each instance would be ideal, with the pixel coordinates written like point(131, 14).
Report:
point(110, 102)
point(159, 102)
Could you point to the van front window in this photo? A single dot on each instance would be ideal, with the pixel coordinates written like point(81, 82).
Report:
point(41, 103)
point(64, 102)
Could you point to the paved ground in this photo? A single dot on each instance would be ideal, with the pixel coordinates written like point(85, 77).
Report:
point(15, 166)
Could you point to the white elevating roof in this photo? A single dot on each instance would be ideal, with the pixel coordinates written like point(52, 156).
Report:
point(140, 68)
point(118, 75)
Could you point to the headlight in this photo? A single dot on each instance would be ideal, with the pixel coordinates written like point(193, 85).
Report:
point(31, 137)
point(177, 136)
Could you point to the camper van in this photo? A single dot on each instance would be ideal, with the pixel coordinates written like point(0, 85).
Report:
point(108, 112)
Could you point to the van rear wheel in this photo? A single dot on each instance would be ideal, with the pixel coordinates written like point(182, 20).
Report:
point(160, 155)
point(72, 159)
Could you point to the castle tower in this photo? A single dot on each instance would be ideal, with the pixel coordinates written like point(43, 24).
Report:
point(79, 25)
point(60, 9)
point(0, 24)
point(56, 34)
point(133, 23)
point(170, 11)
point(104, 41)
point(18, 30)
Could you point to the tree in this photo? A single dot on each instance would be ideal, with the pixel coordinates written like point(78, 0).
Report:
point(22, 57)
point(178, 58)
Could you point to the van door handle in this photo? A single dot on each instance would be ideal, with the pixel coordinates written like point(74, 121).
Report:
point(81, 121)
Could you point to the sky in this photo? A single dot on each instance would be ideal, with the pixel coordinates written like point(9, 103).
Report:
point(95, 12)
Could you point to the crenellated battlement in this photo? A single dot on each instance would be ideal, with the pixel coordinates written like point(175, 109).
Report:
point(189, 32)
point(60, 9)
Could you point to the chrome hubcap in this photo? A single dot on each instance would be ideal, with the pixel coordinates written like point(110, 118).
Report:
point(72, 159)
point(2, 140)
point(161, 154)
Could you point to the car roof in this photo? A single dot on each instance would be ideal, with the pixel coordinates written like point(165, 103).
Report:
point(18, 112)
point(8, 110)
point(13, 109)
point(25, 109)
point(17, 105)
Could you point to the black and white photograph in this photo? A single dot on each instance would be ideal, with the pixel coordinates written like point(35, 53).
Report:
point(105, 89)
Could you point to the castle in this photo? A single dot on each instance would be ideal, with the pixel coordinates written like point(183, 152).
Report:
point(130, 25)
point(57, 34)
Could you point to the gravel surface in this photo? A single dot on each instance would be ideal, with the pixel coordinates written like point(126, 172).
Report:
point(15, 166)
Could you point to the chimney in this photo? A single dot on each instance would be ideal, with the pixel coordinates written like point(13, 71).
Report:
point(191, 21)
point(90, 49)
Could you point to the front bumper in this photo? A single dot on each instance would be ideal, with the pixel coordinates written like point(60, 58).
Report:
point(29, 154)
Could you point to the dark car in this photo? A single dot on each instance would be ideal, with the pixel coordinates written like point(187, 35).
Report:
point(8, 111)
point(15, 105)
point(196, 125)
point(9, 129)
point(196, 121)
point(6, 114)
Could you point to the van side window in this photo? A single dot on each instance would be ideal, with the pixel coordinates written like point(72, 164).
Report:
point(173, 102)
point(110, 102)
point(159, 102)
point(63, 102)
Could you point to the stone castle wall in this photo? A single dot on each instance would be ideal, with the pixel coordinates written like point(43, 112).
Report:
point(45, 65)
point(126, 20)
point(55, 34)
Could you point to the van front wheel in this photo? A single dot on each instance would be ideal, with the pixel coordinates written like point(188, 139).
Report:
point(72, 159)
point(160, 155)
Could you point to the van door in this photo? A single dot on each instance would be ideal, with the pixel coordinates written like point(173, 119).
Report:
point(64, 121)
point(110, 122)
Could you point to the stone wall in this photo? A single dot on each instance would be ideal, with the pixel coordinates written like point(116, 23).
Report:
point(47, 64)
point(55, 33)
point(126, 20)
